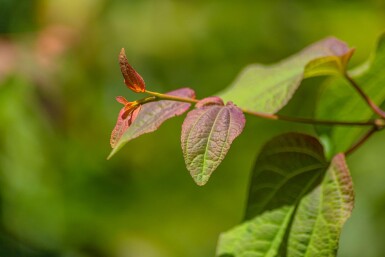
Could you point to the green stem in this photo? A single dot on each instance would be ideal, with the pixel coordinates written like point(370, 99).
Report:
point(366, 98)
point(311, 121)
point(272, 116)
point(173, 98)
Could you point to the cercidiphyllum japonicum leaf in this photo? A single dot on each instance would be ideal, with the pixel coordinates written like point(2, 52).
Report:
point(207, 133)
point(339, 101)
point(288, 167)
point(321, 214)
point(152, 115)
point(268, 88)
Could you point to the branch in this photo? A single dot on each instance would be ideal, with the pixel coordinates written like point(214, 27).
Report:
point(272, 116)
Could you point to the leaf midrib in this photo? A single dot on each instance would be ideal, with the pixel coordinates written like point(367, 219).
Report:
point(203, 170)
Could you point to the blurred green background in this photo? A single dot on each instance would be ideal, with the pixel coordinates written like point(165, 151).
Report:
point(58, 78)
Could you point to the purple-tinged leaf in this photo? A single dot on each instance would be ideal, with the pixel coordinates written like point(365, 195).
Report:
point(207, 134)
point(152, 115)
point(212, 100)
point(122, 124)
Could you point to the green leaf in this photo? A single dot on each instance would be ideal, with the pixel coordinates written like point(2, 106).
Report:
point(259, 237)
point(207, 134)
point(322, 213)
point(268, 88)
point(288, 167)
point(339, 101)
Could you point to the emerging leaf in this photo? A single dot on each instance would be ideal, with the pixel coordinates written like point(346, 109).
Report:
point(151, 116)
point(132, 79)
point(321, 214)
point(207, 134)
point(339, 101)
point(267, 89)
point(288, 167)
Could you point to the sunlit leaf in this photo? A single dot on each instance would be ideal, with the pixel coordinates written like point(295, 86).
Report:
point(152, 115)
point(288, 167)
point(339, 101)
point(321, 214)
point(267, 88)
point(207, 134)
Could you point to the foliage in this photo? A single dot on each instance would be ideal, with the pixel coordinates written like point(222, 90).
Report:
point(207, 134)
point(298, 200)
point(58, 79)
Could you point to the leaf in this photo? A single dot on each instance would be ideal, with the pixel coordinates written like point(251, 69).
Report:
point(288, 167)
point(339, 101)
point(297, 203)
point(122, 124)
point(152, 115)
point(261, 236)
point(132, 79)
point(207, 134)
point(267, 88)
point(322, 213)
point(329, 65)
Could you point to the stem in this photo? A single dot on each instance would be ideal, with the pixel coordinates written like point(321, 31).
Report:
point(360, 141)
point(369, 101)
point(271, 116)
point(309, 120)
point(172, 97)
point(147, 100)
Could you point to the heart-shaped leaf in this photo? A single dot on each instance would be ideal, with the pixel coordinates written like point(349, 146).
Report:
point(152, 115)
point(288, 166)
point(207, 134)
point(339, 101)
point(267, 89)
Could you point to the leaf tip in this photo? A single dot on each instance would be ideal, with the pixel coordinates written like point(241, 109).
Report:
point(200, 179)
point(110, 155)
point(122, 52)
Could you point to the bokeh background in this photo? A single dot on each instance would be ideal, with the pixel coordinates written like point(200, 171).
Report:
point(59, 76)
